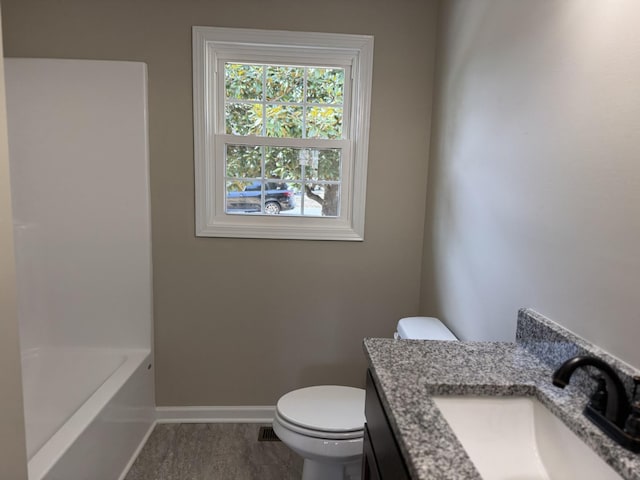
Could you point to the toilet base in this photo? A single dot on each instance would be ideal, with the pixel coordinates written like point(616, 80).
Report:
point(313, 470)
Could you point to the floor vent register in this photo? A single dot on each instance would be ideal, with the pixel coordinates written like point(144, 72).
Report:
point(266, 434)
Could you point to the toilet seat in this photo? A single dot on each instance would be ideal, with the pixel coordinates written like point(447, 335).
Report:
point(327, 411)
point(321, 434)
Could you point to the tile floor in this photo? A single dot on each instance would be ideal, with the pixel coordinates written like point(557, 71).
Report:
point(213, 451)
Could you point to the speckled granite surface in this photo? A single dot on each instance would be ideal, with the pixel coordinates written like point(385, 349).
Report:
point(408, 372)
point(553, 345)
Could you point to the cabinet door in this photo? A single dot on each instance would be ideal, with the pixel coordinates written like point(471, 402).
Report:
point(389, 461)
point(369, 464)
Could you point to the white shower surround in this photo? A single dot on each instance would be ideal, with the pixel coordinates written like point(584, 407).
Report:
point(80, 192)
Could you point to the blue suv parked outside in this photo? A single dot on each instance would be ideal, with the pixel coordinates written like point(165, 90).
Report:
point(277, 197)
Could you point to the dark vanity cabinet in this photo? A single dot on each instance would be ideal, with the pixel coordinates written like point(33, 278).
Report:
point(381, 459)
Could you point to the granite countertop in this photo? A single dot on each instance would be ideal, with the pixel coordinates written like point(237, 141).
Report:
point(408, 372)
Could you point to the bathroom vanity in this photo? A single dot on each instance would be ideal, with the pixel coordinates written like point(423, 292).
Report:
point(407, 435)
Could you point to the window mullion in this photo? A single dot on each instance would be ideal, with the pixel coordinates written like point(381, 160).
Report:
point(346, 105)
point(302, 190)
point(220, 93)
point(304, 103)
point(264, 100)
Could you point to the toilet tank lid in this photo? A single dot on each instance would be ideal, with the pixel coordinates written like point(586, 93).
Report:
point(424, 328)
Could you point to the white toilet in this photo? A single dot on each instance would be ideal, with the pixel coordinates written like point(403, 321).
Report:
point(325, 424)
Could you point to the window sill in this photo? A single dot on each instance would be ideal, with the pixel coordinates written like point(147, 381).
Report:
point(325, 229)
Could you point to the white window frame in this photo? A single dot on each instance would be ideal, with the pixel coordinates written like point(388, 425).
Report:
point(212, 45)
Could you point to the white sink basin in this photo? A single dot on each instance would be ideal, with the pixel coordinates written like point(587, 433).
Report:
point(518, 438)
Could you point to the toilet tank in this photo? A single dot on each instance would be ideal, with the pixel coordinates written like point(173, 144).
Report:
point(423, 328)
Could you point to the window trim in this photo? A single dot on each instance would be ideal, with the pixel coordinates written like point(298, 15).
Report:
point(210, 44)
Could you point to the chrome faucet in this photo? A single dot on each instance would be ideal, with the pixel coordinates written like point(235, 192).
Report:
point(609, 409)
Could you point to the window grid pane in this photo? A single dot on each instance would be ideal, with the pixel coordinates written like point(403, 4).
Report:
point(289, 102)
point(280, 101)
point(270, 180)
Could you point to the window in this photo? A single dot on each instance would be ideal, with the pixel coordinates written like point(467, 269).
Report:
point(281, 133)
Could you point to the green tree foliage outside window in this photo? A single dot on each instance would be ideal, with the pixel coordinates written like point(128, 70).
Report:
point(285, 102)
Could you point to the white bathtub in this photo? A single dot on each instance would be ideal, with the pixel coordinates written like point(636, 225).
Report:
point(87, 411)
point(82, 231)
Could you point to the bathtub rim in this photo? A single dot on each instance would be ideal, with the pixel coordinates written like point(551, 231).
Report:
point(60, 442)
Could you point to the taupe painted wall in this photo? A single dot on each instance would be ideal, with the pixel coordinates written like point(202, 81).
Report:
point(243, 321)
point(534, 176)
point(13, 452)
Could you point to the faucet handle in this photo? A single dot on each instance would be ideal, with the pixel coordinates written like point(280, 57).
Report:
point(600, 396)
point(636, 382)
point(632, 425)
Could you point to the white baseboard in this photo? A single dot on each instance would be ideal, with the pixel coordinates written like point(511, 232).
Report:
point(137, 451)
point(240, 414)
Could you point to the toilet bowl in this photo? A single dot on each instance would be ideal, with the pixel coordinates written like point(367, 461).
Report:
point(325, 424)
